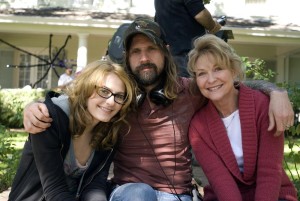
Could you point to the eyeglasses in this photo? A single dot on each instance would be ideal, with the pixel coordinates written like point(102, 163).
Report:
point(106, 93)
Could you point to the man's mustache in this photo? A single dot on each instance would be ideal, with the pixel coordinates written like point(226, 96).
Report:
point(146, 65)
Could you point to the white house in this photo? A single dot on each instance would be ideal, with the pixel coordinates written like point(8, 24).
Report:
point(261, 28)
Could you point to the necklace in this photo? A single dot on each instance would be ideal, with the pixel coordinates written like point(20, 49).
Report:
point(227, 122)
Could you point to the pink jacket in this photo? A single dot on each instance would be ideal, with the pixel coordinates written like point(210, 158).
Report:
point(263, 178)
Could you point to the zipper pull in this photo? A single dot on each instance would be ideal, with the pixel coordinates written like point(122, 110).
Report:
point(77, 196)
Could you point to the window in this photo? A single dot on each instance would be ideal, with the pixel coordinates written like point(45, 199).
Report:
point(33, 75)
point(6, 74)
point(24, 73)
point(41, 71)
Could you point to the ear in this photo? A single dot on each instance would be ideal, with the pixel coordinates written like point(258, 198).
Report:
point(234, 74)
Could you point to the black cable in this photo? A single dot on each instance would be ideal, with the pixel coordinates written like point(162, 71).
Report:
point(50, 47)
point(175, 166)
point(50, 62)
point(56, 73)
point(170, 184)
point(26, 66)
point(60, 49)
point(41, 77)
point(36, 56)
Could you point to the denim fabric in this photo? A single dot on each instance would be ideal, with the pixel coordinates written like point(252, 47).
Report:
point(143, 192)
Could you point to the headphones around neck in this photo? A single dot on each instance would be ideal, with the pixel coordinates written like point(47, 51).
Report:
point(156, 96)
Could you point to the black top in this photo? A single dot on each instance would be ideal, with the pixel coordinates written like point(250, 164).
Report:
point(41, 176)
point(176, 18)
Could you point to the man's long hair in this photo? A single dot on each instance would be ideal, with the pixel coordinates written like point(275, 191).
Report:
point(169, 72)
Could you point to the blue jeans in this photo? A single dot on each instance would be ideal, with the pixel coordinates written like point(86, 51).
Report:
point(143, 192)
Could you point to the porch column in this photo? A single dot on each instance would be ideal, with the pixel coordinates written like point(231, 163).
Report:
point(282, 69)
point(82, 51)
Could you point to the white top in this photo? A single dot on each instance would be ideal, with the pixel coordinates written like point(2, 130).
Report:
point(233, 127)
point(64, 79)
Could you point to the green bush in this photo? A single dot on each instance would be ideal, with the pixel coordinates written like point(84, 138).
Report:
point(9, 158)
point(12, 103)
point(292, 135)
point(256, 70)
point(292, 160)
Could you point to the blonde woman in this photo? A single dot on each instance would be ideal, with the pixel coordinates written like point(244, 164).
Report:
point(241, 158)
point(70, 160)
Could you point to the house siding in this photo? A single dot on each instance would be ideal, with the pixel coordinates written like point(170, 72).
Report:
point(278, 43)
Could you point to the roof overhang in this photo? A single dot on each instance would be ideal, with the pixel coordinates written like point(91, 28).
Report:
point(42, 25)
point(107, 27)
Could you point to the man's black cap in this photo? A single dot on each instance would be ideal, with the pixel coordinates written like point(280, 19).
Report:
point(147, 27)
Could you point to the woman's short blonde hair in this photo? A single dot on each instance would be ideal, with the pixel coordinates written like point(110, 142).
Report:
point(223, 53)
point(83, 86)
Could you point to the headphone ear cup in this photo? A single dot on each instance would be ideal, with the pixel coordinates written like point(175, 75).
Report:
point(158, 97)
point(115, 48)
point(140, 98)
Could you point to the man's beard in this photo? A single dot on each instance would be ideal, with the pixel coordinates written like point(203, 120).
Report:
point(146, 78)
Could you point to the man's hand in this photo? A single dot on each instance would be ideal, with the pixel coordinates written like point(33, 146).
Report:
point(36, 118)
point(281, 112)
point(205, 19)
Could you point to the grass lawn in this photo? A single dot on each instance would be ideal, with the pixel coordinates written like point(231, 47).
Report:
point(21, 137)
point(11, 145)
point(18, 138)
